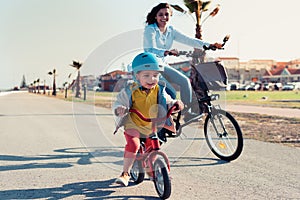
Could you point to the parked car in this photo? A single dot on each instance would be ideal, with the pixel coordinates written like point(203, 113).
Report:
point(268, 86)
point(277, 86)
point(251, 86)
point(254, 87)
point(288, 86)
point(97, 89)
point(233, 86)
point(291, 86)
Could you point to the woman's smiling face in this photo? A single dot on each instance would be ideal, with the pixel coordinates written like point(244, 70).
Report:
point(163, 16)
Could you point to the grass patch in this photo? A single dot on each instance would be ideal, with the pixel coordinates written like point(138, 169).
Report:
point(285, 99)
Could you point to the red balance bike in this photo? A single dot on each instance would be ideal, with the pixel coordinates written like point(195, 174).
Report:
point(153, 159)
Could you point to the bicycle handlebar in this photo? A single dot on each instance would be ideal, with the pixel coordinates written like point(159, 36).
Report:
point(159, 119)
point(210, 47)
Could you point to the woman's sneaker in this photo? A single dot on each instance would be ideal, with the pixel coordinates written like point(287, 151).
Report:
point(123, 179)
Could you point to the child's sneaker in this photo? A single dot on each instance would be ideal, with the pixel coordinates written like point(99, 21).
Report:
point(123, 179)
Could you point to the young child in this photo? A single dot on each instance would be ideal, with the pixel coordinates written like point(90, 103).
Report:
point(147, 96)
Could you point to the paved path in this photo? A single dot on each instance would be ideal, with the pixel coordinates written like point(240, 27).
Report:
point(283, 112)
point(54, 149)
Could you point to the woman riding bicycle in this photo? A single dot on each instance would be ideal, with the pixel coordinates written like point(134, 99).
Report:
point(158, 39)
point(147, 96)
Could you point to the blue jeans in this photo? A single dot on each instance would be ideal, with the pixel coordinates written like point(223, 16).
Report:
point(174, 76)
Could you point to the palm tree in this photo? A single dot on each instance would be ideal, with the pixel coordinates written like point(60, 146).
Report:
point(198, 7)
point(77, 65)
point(23, 83)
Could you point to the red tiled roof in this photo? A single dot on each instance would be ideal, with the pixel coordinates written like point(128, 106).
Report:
point(294, 71)
point(267, 73)
point(278, 71)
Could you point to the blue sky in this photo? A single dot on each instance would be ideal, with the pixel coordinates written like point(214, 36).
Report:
point(37, 36)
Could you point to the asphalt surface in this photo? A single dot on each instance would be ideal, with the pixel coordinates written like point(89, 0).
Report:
point(54, 149)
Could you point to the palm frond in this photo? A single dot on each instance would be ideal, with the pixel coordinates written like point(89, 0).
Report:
point(191, 5)
point(205, 5)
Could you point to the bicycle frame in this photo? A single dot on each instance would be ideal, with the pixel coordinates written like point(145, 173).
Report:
point(148, 155)
point(206, 101)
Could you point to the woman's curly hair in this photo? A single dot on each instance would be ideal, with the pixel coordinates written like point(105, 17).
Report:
point(151, 15)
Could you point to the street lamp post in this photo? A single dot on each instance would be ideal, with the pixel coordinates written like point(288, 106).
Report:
point(34, 87)
point(44, 91)
point(38, 85)
point(66, 85)
point(77, 65)
point(66, 89)
point(54, 84)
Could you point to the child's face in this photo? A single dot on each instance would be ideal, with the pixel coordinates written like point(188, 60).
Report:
point(148, 79)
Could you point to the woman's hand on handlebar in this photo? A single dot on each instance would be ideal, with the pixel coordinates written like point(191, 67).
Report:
point(172, 52)
point(218, 45)
point(215, 46)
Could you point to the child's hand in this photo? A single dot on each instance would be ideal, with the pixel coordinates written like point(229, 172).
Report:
point(121, 111)
point(180, 104)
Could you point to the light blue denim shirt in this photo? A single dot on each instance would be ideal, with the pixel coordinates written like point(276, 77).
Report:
point(157, 42)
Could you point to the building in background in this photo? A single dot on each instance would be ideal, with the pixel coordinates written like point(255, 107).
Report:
point(237, 71)
point(284, 72)
point(112, 80)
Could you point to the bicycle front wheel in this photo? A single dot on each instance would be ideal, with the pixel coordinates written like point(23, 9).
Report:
point(223, 135)
point(161, 179)
point(137, 172)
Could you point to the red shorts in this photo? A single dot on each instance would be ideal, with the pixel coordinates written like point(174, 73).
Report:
point(132, 137)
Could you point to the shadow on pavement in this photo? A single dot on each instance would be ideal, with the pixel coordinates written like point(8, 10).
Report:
point(81, 190)
point(196, 162)
point(81, 154)
point(105, 155)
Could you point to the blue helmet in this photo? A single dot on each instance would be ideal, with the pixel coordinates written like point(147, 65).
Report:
point(146, 61)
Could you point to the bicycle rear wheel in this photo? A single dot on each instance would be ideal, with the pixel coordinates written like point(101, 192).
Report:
point(223, 135)
point(161, 179)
